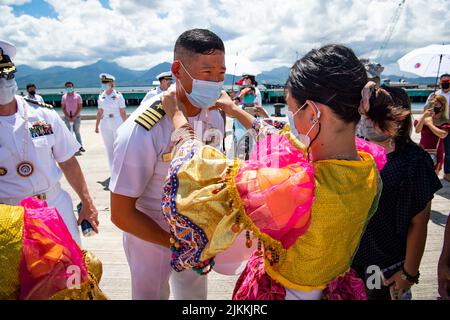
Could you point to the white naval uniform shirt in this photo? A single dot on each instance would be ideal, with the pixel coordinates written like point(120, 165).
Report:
point(154, 92)
point(44, 151)
point(139, 170)
point(258, 98)
point(36, 97)
point(111, 104)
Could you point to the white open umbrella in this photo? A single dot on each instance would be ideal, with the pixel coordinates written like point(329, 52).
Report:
point(431, 61)
point(237, 66)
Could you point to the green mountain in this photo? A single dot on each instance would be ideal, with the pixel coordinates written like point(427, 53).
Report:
point(88, 76)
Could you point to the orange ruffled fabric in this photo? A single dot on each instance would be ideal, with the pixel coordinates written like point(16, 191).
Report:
point(51, 260)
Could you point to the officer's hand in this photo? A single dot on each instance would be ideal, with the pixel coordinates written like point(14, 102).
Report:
point(170, 102)
point(96, 130)
point(226, 104)
point(89, 212)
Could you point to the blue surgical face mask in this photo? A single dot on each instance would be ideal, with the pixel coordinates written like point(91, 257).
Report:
point(204, 94)
point(69, 90)
point(8, 89)
point(105, 86)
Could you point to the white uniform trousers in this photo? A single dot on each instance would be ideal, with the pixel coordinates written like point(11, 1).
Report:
point(151, 273)
point(59, 199)
point(303, 295)
point(63, 203)
point(108, 129)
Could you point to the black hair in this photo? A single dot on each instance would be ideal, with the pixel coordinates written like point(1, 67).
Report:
point(403, 103)
point(331, 75)
point(31, 85)
point(444, 75)
point(198, 41)
point(334, 76)
point(67, 83)
point(389, 109)
point(253, 80)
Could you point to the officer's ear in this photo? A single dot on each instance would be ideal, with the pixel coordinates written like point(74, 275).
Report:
point(176, 66)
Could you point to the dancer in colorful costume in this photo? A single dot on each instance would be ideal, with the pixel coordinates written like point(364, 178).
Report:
point(306, 193)
point(39, 260)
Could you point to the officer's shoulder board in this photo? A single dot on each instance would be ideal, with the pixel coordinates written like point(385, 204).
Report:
point(150, 117)
point(40, 104)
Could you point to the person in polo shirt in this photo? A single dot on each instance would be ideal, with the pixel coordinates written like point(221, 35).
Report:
point(72, 104)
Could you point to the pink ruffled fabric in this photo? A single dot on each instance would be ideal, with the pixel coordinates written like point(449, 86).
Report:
point(347, 287)
point(50, 257)
point(255, 284)
point(277, 189)
point(378, 152)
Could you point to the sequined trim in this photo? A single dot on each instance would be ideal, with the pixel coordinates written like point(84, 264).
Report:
point(190, 239)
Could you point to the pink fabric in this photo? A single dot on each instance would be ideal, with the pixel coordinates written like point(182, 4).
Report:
point(50, 256)
point(347, 287)
point(255, 284)
point(378, 152)
point(277, 188)
point(71, 102)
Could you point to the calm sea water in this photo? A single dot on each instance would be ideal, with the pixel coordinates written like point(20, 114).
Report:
point(269, 108)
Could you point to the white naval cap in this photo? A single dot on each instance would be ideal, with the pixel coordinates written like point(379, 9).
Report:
point(164, 75)
point(8, 49)
point(105, 77)
point(7, 54)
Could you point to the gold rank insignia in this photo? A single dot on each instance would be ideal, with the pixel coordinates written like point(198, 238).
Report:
point(166, 157)
point(3, 172)
point(150, 117)
point(40, 104)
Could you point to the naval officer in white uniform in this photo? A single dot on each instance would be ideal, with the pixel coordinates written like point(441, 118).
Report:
point(142, 155)
point(165, 80)
point(35, 149)
point(111, 113)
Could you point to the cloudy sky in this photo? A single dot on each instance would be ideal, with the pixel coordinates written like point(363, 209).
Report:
point(139, 34)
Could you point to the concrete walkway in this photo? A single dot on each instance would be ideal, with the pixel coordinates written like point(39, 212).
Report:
point(108, 244)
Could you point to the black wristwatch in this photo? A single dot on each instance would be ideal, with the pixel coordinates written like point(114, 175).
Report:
point(407, 277)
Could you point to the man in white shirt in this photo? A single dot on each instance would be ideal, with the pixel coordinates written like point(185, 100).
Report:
point(111, 113)
point(31, 93)
point(445, 91)
point(142, 155)
point(36, 148)
point(165, 80)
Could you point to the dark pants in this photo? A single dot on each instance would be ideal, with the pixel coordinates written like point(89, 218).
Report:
point(382, 293)
point(447, 155)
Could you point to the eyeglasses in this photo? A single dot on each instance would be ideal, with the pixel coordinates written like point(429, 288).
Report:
point(7, 76)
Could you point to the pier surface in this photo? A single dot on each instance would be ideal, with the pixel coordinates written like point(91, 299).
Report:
point(108, 244)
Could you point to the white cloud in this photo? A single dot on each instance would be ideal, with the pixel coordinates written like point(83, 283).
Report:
point(139, 34)
point(13, 2)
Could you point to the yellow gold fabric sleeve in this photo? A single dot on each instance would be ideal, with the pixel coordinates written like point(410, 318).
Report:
point(11, 231)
